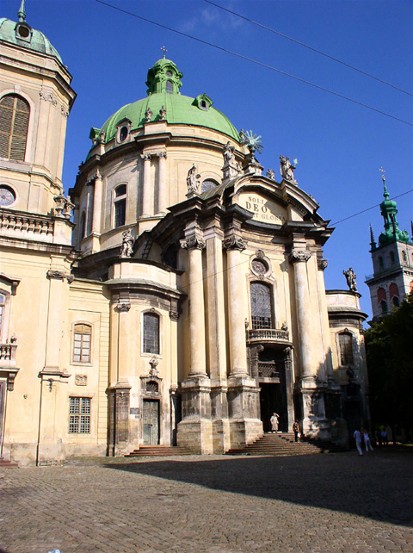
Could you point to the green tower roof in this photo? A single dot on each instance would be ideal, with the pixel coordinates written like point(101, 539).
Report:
point(164, 83)
point(21, 34)
point(388, 209)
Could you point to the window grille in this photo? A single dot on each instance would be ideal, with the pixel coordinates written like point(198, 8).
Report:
point(81, 343)
point(14, 125)
point(261, 311)
point(79, 415)
point(150, 333)
point(346, 348)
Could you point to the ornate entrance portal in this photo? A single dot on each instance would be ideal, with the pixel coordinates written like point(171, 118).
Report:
point(150, 422)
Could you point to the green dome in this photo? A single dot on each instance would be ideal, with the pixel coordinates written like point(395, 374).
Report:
point(21, 34)
point(163, 92)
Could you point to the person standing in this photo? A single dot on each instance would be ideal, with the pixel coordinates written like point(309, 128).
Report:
point(357, 438)
point(296, 430)
point(274, 422)
point(366, 439)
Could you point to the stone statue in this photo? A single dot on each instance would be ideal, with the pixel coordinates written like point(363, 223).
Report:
point(229, 154)
point(287, 169)
point(270, 174)
point(192, 180)
point(127, 244)
point(162, 113)
point(351, 279)
point(148, 115)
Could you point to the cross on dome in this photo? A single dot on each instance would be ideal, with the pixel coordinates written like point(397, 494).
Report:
point(164, 50)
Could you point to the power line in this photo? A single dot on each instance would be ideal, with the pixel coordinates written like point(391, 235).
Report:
point(304, 45)
point(369, 208)
point(257, 62)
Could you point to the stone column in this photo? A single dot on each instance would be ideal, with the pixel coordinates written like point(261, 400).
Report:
point(97, 204)
point(327, 372)
point(236, 291)
point(299, 259)
point(147, 189)
point(162, 189)
point(195, 245)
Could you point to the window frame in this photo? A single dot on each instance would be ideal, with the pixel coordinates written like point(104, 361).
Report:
point(270, 323)
point(76, 415)
point(145, 315)
point(119, 202)
point(345, 359)
point(12, 138)
point(90, 327)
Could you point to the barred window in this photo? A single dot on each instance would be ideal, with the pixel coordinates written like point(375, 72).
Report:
point(79, 415)
point(82, 339)
point(346, 348)
point(261, 311)
point(14, 124)
point(150, 333)
point(120, 205)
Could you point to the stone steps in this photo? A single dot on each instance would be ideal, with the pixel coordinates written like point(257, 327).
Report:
point(281, 444)
point(158, 451)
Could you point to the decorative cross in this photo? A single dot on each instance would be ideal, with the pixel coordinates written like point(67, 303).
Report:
point(164, 50)
point(383, 176)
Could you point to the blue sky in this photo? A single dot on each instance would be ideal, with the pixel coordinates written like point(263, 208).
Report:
point(340, 145)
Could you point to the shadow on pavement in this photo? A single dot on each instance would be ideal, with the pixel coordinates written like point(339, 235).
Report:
point(378, 486)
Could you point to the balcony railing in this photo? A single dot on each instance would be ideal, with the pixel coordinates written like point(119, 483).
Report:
point(14, 223)
point(268, 335)
point(7, 355)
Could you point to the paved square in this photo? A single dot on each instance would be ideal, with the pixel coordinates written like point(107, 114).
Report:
point(311, 504)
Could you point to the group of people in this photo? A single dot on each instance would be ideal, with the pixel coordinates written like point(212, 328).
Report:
point(275, 422)
point(362, 437)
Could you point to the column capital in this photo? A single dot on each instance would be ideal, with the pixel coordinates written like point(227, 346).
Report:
point(123, 305)
point(322, 264)
point(146, 157)
point(299, 256)
point(234, 242)
point(193, 242)
point(162, 154)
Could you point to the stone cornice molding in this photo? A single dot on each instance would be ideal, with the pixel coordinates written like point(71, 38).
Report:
point(234, 242)
point(299, 256)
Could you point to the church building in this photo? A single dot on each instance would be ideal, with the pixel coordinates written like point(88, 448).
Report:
point(176, 296)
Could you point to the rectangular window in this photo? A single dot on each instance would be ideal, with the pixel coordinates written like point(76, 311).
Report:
point(79, 415)
point(346, 349)
point(150, 333)
point(120, 213)
point(81, 343)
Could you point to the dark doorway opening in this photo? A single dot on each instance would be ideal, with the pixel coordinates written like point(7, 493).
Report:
point(271, 400)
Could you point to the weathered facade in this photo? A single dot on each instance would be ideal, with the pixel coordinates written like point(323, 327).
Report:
point(183, 303)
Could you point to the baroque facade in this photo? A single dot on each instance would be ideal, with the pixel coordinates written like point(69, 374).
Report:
point(176, 297)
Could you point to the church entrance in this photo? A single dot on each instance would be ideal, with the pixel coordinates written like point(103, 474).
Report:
point(151, 423)
point(271, 401)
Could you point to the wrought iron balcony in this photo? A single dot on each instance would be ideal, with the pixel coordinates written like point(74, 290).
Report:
point(268, 335)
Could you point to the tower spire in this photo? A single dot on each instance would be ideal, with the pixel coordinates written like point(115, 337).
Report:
point(21, 14)
point(388, 210)
point(372, 241)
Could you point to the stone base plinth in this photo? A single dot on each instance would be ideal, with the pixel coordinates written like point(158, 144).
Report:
point(221, 436)
point(317, 428)
point(196, 435)
point(244, 432)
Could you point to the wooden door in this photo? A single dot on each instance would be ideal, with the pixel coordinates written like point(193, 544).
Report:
point(150, 421)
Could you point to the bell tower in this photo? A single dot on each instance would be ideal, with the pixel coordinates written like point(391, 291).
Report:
point(392, 258)
point(35, 100)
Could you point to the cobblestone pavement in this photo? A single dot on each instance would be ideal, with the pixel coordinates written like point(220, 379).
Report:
point(312, 504)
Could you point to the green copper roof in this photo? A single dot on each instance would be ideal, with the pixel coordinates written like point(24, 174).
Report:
point(21, 34)
point(388, 209)
point(164, 82)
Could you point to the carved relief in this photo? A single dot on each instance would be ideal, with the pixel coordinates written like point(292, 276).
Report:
point(193, 242)
point(322, 264)
point(81, 380)
point(299, 256)
point(47, 97)
point(234, 243)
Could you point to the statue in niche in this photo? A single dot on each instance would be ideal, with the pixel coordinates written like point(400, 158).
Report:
point(162, 113)
point(229, 154)
point(287, 169)
point(351, 279)
point(127, 243)
point(148, 115)
point(192, 180)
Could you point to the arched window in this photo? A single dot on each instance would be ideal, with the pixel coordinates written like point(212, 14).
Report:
point(120, 205)
point(169, 87)
point(381, 263)
point(14, 124)
point(394, 294)
point(345, 340)
point(392, 258)
point(382, 300)
point(82, 338)
point(150, 333)
point(261, 306)
point(208, 184)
